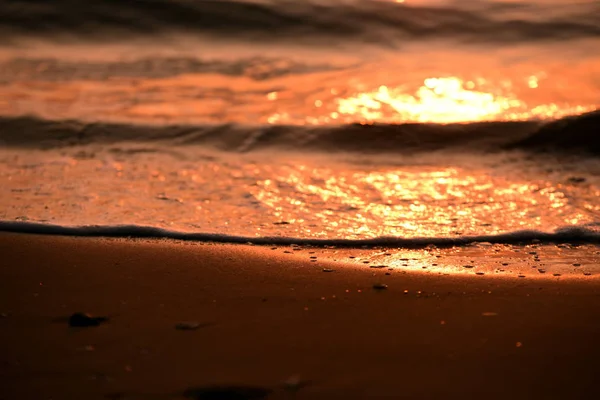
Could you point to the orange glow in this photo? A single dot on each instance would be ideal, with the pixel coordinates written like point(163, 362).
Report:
point(414, 202)
point(447, 100)
point(479, 259)
point(431, 85)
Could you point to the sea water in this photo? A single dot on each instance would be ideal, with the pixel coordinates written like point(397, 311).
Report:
point(302, 120)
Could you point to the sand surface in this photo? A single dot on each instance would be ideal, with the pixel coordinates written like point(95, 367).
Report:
point(275, 319)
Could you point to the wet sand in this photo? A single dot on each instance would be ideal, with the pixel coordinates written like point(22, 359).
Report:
point(300, 327)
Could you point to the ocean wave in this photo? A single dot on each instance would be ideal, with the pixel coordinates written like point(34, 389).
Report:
point(575, 134)
point(382, 22)
point(571, 234)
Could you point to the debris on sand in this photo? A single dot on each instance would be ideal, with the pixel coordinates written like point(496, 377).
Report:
point(83, 320)
point(327, 270)
point(226, 392)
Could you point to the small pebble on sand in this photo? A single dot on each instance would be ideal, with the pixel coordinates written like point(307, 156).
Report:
point(380, 286)
point(188, 325)
point(81, 320)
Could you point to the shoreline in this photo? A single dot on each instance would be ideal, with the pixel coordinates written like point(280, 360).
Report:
point(573, 235)
point(267, 319)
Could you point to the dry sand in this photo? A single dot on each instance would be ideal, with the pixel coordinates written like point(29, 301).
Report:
point(278, 321)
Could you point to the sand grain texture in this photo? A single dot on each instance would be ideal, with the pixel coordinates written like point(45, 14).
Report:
point(267, 318)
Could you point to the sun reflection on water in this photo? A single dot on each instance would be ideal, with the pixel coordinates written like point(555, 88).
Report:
point(437, 100)
point(447, 100)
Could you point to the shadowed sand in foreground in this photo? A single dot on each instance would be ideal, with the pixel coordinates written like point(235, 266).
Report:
point(214, 321)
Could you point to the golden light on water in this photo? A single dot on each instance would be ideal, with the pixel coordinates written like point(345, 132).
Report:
point(415, 202)
point(387, 92)
point(442, 99)
point(438, 100)
point(448, 100)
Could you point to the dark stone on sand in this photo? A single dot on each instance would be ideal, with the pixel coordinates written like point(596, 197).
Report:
point(380, 286)
point(576, 179)
point(82, 320)
point(468, 266)
point(378, 266)
point(227, 393)
point(327, 270)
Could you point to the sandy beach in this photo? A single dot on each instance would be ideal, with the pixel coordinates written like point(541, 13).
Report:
point(308, 199)
point(279, 324)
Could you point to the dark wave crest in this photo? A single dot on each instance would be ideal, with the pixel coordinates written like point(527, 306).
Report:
point(571, 235)
point(385, 23)
point(577, 134)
